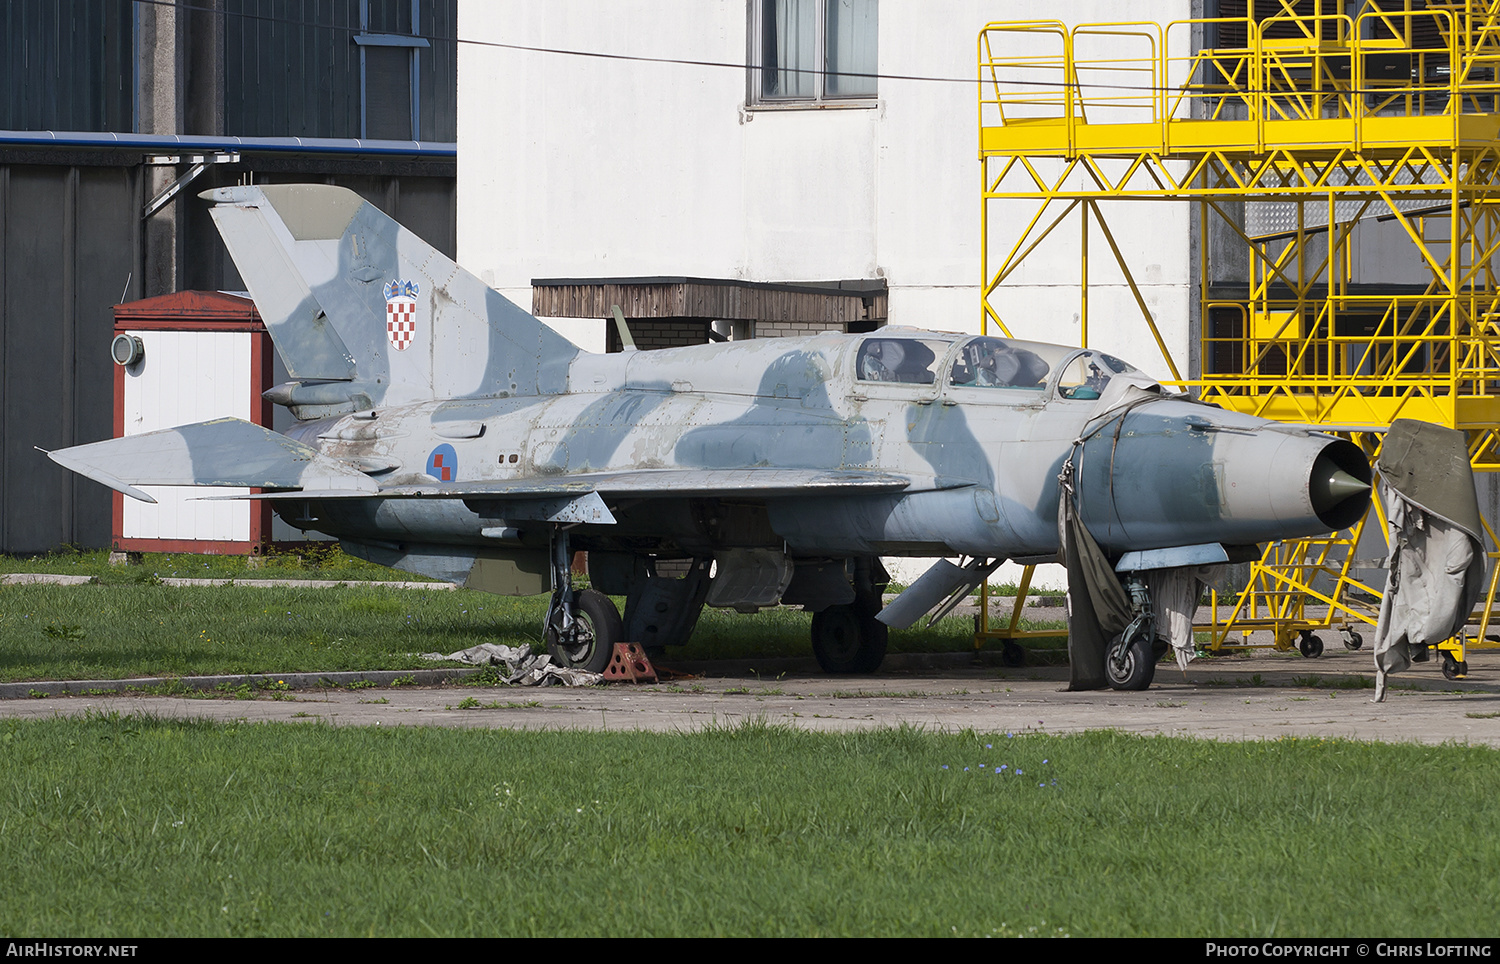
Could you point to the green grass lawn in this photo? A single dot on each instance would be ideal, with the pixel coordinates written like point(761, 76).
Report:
point(137, 627)
point(134, 826)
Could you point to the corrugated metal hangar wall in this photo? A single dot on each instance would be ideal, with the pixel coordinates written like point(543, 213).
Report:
point(75, 236)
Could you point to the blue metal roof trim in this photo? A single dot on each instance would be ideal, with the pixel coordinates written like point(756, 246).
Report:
point(194, 142)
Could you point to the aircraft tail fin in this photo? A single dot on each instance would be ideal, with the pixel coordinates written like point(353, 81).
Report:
point(364, 313)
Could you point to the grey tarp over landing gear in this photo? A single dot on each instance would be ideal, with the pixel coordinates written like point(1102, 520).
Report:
point(1098, 608)
point(1112, 637)
point(1436, 567)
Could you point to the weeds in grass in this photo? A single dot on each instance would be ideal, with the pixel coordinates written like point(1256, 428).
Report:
point(65, 632)
point(378, 700)
point(1255, 680)
point(240, 691)
point(1482, 716)
point(490, 676)
point(1334, 682)
point(403, 681)
point(470, 703)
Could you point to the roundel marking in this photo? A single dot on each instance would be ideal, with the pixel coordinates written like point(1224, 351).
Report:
point(442, 464)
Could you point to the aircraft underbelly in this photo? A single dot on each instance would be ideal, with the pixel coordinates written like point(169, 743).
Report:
point(968, 520)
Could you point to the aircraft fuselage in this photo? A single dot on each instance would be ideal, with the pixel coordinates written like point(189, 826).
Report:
point(983, 460)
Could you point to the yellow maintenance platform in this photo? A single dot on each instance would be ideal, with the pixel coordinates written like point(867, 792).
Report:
point(1289, 128)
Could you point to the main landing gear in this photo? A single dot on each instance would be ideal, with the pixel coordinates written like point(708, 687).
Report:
point(581, 628)
point(847, 638)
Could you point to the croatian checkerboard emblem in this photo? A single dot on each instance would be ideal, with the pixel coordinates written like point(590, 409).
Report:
point(400, 313)
point(442, 464)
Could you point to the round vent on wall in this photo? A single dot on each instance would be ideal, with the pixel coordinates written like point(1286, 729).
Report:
point(127, 350)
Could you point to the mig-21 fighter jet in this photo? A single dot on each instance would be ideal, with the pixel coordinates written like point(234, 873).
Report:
point(443, 430)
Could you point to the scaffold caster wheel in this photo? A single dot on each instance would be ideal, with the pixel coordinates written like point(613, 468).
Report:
point(1013, 654)
point(1310, 645)
point(1454, 669)
point(1355, 641)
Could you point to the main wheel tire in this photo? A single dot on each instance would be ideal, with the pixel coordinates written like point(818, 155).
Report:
point(844, 641)
point(1311, 646)
point(1355, 641)
point(599, 628)
point(1450, 666)
point(1013, 654)
point(1135, 669)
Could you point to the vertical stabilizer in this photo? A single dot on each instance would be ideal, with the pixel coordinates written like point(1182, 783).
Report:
point(365, 313)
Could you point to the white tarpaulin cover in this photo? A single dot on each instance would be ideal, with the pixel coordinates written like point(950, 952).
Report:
point(519, 667)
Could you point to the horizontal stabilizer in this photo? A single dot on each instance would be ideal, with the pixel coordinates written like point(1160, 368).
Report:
point(222, 452)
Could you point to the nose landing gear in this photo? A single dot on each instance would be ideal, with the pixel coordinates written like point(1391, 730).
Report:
point(1130, 660)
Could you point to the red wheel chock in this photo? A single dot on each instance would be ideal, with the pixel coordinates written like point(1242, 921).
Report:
point(629, 662)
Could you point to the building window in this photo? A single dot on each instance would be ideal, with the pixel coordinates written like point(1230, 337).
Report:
point(813, 52)
point(390, 59)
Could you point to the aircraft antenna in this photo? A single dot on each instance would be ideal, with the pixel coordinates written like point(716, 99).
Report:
point(627, 343)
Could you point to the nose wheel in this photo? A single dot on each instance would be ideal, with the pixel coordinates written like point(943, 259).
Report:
point(1130, 661)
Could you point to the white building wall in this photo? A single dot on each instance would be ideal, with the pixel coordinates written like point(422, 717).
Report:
point(577, 167)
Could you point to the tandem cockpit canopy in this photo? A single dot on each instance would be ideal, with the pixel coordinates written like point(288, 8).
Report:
point(987, 362)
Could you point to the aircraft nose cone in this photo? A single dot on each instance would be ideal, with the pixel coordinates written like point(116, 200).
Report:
point(1339, 486)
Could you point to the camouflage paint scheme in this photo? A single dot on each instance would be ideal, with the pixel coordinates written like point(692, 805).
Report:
point(481, 447)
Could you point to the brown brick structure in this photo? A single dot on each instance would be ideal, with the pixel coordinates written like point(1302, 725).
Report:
point(671, 312)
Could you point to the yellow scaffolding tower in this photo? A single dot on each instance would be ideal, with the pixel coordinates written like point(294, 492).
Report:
point(1289, 129)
